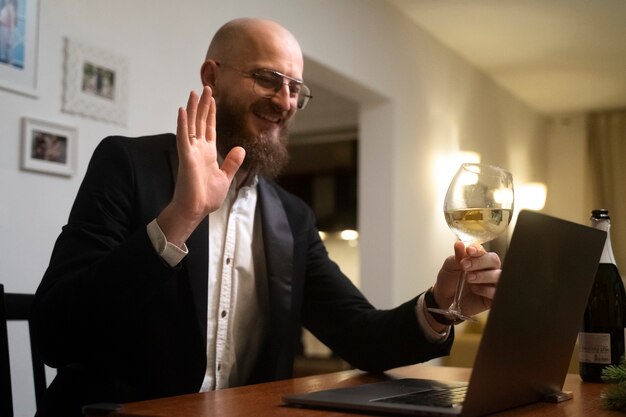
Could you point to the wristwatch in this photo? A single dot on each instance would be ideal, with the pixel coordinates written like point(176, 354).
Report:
point(429, 299)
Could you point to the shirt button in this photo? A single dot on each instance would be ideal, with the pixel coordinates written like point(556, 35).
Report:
point(219, 366)
point(227, 261)
point(223, 313)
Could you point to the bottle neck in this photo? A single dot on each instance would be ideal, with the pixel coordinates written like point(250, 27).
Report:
point(607, 253)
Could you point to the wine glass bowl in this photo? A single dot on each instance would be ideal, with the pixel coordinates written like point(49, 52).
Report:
point(478, 208)
point(478, 225)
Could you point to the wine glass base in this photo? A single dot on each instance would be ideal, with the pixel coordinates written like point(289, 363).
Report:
point(451, 314)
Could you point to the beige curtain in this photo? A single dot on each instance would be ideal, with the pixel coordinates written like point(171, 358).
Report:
point(606, 141)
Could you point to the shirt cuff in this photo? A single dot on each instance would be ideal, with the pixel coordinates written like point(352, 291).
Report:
point(431, 335)
point(170, 253)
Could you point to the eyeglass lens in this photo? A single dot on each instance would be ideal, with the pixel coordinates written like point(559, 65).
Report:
point(268, 83)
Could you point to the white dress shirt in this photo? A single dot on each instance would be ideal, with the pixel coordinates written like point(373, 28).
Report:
point(238, 302)
point(238, 305)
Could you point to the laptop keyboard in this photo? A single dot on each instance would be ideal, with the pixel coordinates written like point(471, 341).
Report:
point(440, 397)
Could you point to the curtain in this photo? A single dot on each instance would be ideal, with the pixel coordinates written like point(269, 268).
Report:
point(606, 142)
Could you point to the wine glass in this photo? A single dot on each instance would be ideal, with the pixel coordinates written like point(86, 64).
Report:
point(478, 207)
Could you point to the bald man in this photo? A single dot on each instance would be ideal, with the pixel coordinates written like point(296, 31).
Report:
point(185, 268)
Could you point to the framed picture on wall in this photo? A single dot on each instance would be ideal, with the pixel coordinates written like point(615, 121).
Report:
point(19, 23)
point(48, 147)
point(95, 83)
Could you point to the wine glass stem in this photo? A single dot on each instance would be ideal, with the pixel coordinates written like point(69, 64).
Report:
point(456, 304)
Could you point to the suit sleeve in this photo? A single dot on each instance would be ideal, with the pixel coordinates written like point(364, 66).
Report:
point(102, 266)
point(336, 312)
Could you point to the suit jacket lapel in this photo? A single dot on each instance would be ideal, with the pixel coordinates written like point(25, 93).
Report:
point(278, 244)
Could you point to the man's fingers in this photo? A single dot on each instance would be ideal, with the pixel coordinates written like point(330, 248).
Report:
point(459, 250)
point(210, 121)
point(487, 261)
point(192, 109)
point(485, 291)
point(233, 161)
point(181, 127)
point(475, 250)
point(204, 107)
point(486, 276)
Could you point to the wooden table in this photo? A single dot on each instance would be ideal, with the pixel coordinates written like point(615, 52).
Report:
point(265, 399)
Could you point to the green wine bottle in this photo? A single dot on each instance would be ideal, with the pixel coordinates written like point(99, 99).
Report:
point(602, 336)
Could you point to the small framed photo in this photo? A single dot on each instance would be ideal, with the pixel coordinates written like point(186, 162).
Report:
point(19, 24)
point(95, 82)
point(48, 147)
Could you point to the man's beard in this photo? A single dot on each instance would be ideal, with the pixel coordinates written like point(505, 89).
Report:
point(266, 153)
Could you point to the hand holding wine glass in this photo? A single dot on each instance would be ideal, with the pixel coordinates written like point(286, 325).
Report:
point(478, 207)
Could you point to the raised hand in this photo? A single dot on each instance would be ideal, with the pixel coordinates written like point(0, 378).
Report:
point(201, 183)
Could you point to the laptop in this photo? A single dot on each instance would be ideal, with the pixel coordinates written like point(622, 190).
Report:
point(528, 340)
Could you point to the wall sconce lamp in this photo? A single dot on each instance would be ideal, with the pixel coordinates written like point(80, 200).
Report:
point(530, 195)
point(347, 235)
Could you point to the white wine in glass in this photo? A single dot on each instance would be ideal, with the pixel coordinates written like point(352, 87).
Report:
point(478, 208)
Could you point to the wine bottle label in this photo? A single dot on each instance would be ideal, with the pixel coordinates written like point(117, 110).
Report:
point(595, 347)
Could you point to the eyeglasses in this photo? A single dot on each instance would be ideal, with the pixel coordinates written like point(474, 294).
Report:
point(267, 83)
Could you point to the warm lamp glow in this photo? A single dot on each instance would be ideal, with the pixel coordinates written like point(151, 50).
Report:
point(447, 165)
point(530, 195)
point(503, 197)
point(349, 234)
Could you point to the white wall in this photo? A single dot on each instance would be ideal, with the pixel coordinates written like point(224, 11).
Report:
point(418, 101)
point(568, 171)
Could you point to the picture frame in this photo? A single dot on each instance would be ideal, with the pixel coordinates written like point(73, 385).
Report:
point(95, 83)
point(19, 29)
point(48, 147)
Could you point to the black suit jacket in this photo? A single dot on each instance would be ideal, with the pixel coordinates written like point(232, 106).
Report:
point(122, 325)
